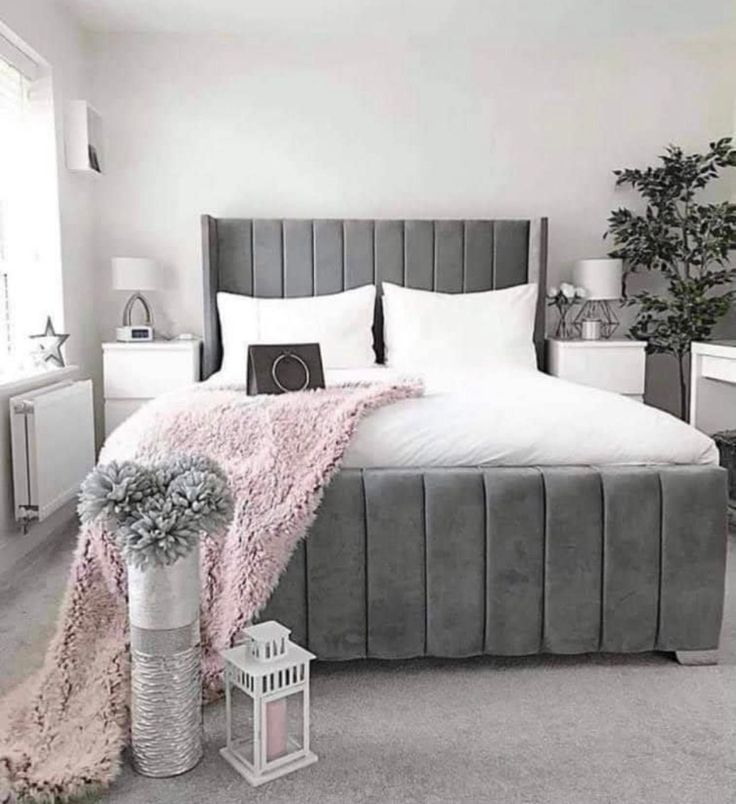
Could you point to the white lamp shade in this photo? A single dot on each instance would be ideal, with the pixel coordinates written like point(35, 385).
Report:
point(136, 273)
point(601, 278)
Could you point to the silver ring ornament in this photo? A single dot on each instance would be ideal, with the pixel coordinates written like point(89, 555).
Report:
point(274, 368)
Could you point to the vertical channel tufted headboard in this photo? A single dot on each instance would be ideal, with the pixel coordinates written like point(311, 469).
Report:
point(286, 258)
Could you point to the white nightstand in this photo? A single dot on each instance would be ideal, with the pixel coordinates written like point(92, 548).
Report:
point(713, 386)
point(613, 365)
point(137, 372)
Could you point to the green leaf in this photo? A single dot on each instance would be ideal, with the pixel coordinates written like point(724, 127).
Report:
point(689, 244)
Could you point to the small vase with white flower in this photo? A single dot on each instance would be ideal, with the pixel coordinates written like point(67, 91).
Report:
point(564, 299)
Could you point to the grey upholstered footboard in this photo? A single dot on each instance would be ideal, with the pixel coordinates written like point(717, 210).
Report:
point(510, 561)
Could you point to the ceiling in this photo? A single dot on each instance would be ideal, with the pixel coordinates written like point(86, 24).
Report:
point(514, 19)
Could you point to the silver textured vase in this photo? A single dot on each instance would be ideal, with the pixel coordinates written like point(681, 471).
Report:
point(166, 687)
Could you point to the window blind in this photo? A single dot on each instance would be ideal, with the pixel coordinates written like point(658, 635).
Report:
point(13, 110)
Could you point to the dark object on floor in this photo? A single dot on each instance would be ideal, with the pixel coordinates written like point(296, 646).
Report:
point(726, 443)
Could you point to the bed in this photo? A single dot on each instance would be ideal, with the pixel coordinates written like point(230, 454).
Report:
point(511, 551)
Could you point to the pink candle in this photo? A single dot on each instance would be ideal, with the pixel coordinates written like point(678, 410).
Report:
point(276, 730)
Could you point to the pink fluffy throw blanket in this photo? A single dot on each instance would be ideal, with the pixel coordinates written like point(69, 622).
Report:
point(62, 732)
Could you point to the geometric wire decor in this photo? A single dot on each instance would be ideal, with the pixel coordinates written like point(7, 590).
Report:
point(598, 310)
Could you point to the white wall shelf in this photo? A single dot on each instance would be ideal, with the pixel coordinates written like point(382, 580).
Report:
point(83, 138)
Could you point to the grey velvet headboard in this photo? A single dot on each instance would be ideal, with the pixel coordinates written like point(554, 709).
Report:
point(286, 258)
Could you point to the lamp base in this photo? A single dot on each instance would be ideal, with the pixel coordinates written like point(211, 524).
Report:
point(598, 310)
point(137, 298)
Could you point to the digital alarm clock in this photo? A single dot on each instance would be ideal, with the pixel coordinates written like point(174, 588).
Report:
point(134, 333)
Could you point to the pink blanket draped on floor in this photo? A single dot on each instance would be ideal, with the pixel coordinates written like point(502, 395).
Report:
point(62, 732)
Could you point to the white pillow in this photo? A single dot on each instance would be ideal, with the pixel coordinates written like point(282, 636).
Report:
point(423, 329)
point(341, 323)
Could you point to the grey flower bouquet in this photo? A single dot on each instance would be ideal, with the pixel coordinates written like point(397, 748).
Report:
point(158, 512)
point(564, 299)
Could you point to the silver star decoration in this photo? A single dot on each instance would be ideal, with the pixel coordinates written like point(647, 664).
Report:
point(49, 344)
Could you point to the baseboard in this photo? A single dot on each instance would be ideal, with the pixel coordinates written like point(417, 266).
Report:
point(17, 547)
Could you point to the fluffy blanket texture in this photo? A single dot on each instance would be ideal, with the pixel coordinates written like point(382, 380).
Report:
point(64, 729)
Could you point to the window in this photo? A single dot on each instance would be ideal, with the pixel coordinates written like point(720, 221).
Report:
point(30, 244)
point(13, 201)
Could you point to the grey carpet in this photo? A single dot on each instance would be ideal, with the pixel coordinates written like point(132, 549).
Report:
point(29, 603)
point(559, 730)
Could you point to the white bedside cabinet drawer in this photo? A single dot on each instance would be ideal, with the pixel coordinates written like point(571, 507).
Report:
point(118, 410)
point(148, 371)
point(137, 372)
point(617, 366)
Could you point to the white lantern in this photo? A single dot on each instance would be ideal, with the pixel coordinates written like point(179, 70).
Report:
point(267, 704)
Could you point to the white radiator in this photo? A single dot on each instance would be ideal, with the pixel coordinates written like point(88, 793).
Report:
point(52, 433)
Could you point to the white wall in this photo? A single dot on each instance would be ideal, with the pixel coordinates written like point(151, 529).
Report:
point(60, 41)
point(384, 127)
point(446, 124)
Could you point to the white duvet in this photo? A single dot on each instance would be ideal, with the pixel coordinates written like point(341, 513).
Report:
point(515, 417)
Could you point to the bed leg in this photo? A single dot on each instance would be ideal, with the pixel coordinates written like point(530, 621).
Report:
point(697, 658)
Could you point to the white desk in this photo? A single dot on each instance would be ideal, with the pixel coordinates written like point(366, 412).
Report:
point(713, 386)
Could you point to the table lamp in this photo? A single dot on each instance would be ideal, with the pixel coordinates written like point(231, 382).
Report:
point(602, 280)
point(136, 274)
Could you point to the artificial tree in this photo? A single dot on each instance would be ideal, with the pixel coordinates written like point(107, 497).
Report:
point(687, 242)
